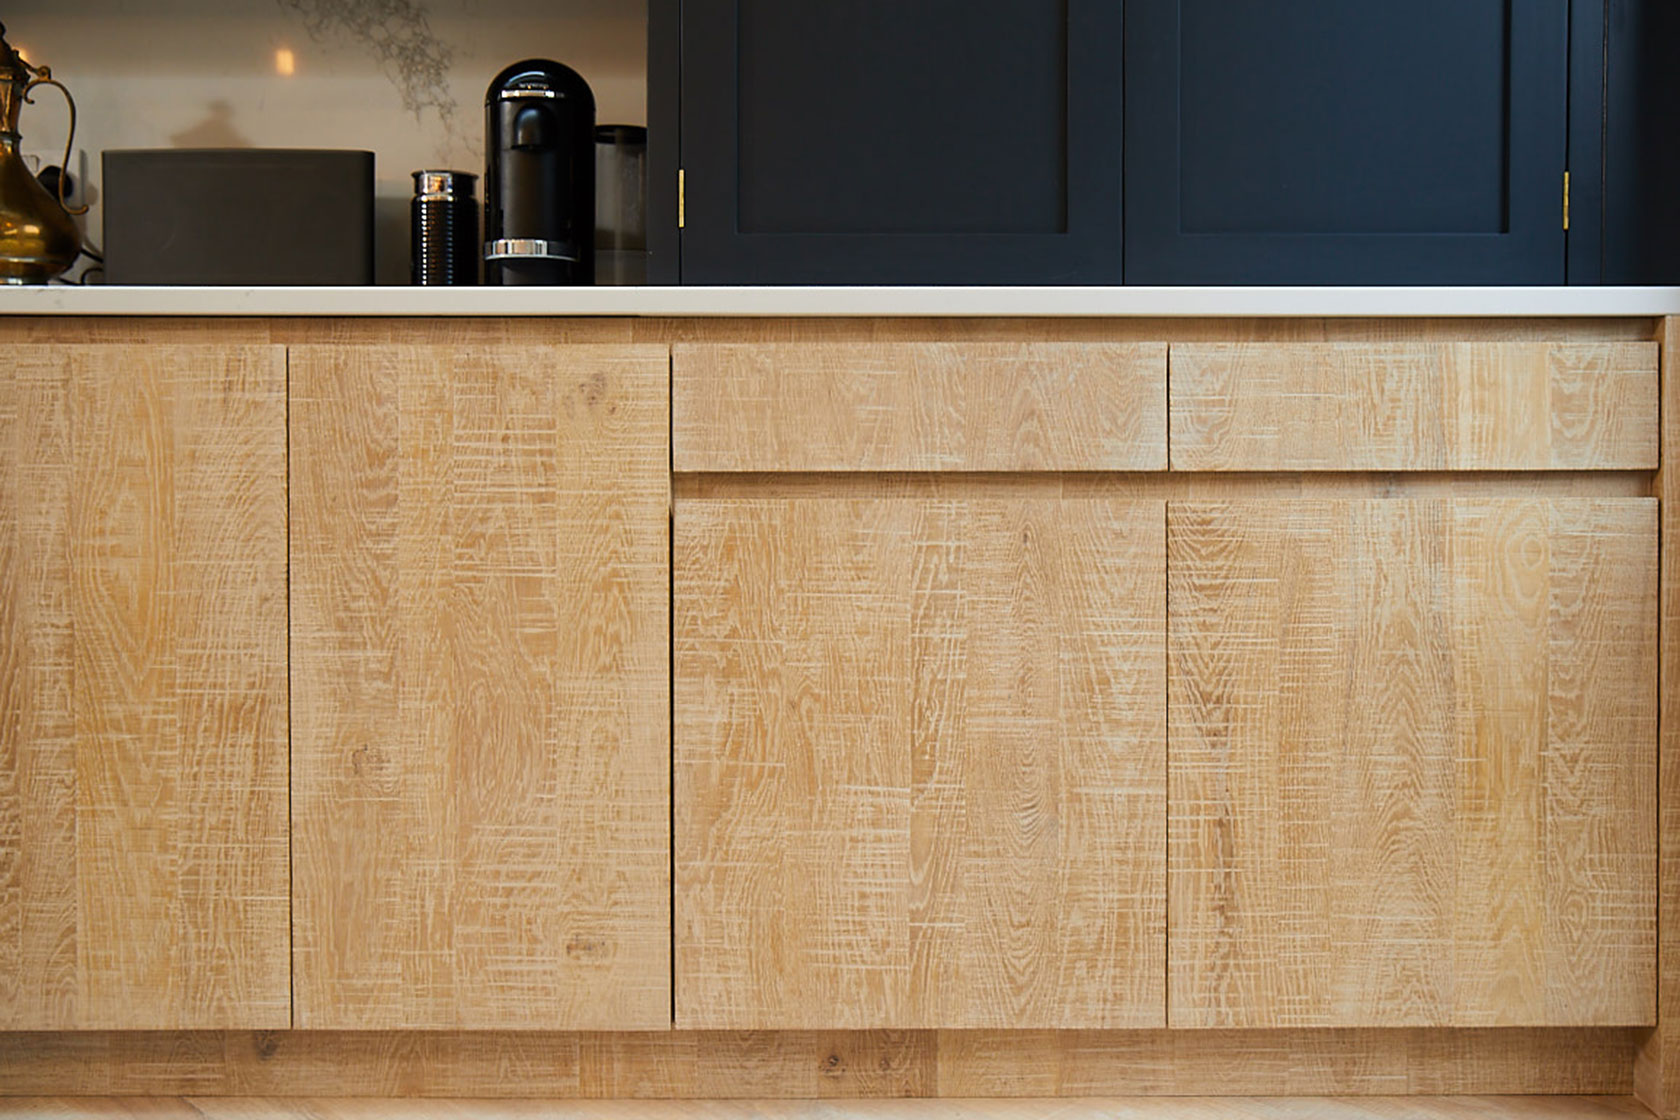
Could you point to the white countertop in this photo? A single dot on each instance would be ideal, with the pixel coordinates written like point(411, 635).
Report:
point(840, 301)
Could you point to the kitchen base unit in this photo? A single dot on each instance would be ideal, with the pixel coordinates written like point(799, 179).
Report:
point(778, 709)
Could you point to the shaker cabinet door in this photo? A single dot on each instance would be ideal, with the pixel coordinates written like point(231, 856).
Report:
point(1329, 142)
point(480, 660)
point(880, 142)
point(143, 688)
point(1412, 763)
point(919, 763)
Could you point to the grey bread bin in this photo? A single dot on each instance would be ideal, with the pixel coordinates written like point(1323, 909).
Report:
point(238, 216)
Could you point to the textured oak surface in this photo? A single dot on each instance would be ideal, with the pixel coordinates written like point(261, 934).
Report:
point(1412, 763)
point(1658, 1072)
point(806, 331)
point(919, 406)
point(1100, 1108)
point(793, 1064)
point(1173, 486)
point(143, 687)
point(1414, 406)
point(480, 665)
point(1413, 437)
point(919, 763)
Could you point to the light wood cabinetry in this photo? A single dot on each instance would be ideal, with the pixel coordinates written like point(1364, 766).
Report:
point(480, 662)
point(1412, 763)
point(919, 763)
point(1444, 406)
point(1412, 754)
point(143, 727)
point(927, 406)
point(1657, 1070)
point(854, 708)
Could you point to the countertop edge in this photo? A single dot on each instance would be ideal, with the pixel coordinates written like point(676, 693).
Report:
point(839, 302)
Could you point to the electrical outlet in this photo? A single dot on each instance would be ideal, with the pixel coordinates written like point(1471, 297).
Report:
point(79, 175)
point(77, 195)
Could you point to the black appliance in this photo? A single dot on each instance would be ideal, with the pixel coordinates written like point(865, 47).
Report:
point(539, 176)
point(238, 216)
point(443, 228)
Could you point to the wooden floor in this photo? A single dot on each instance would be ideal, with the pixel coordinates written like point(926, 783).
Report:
point(1112, 1108)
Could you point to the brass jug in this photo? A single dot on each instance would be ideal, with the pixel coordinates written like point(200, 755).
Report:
point(38, 236)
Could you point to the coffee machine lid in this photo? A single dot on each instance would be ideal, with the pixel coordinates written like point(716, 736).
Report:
point(539, 77)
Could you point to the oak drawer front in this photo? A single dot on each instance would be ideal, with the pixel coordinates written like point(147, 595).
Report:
point(919, 776)
point(919, 407)
point(1412, 763)
point(1414, 406)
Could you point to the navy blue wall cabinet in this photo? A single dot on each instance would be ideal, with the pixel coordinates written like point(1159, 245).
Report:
point(1333, 142)
point(885, 142)
point(1624, 142)
point(1264, 141)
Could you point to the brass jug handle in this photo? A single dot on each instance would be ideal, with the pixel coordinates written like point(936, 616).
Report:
point(43, 77)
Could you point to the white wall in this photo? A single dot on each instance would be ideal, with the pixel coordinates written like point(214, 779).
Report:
point(402, 78)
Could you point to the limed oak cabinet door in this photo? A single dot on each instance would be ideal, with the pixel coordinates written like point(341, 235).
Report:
point(143, 862)
point(1412, 763)
point(480, 656)
point(919, 763)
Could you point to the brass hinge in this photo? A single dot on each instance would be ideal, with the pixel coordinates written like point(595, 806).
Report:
point(1566, 200)
point(681, 207)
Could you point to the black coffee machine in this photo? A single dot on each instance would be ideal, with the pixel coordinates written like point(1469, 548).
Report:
point(539, 176)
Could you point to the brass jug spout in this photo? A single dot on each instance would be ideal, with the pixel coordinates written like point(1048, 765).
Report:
point(39, 238)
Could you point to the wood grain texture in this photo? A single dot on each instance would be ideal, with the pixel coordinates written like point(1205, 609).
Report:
point(544, 331)
point(1412, 763)
point(143, 698)
point(1309, 1061)
point(1414, 406)
point(1100, 1108)
point(847, 329)
point(811, 1064)
point(919, 406)
point(919, 763)
point(1172, 486)
point(480, 662)
point(1658, 1068)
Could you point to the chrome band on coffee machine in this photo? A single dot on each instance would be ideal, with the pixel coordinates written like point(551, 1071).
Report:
point(529, 248)
point(539, 176)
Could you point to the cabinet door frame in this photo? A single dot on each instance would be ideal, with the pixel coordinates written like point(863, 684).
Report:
point(144, 692)
point(480, 626)
point(714, 251)
point(1530, 251)
point(903, 727)
point(1403, 789)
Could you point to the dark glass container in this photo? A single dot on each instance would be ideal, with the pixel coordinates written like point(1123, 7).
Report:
point(620, 204)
